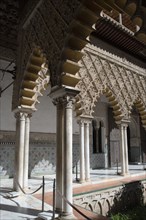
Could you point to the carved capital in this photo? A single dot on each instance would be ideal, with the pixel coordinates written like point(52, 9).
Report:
point(20, 116)
point(85, 119)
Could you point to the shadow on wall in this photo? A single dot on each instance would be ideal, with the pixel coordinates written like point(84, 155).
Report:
point(131, 195)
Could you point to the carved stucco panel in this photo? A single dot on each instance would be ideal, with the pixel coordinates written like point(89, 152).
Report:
point(125, 83)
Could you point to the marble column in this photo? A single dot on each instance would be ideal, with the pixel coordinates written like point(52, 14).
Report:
point(64, 141)
point(87, 152)
point(68, 156)
point(60, 155)
point(124, 148)
point(26, 151)
point(103, 139)
point(19, 150)
point(82, 154)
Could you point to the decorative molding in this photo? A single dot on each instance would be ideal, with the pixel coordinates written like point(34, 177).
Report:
point(113, 200)
point(115, 59)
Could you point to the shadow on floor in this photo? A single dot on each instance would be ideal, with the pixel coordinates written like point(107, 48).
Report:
point(21, 210)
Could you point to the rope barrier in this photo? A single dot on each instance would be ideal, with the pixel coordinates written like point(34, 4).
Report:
point(24, 191)
point(76, 209)
point(73, 206)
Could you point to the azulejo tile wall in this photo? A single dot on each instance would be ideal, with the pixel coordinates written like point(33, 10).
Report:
point(42, 154)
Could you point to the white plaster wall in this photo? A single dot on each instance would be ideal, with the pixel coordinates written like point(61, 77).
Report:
point(7, 120)
point(43, 120)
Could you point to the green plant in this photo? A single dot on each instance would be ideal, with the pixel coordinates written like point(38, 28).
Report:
point(119, 216)
point(138, 213)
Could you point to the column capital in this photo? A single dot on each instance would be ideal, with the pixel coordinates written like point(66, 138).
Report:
point(124, 123)
point(85, 119)
point(64, 100)
point(20, 115)
point(28, 115)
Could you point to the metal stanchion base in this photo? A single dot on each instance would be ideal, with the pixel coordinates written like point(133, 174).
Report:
point(47, 215)
point(12, 194)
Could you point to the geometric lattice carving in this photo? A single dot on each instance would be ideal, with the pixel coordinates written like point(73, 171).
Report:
point(123, 83)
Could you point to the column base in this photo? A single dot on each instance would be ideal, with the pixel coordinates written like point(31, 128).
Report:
point(65, 216)
point(59, 211)
point(82, 181)
point(124, 174)
point(88, 180)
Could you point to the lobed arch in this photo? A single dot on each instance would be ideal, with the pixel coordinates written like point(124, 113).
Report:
point(82, 110)
point(141, 107)
point(35, 80)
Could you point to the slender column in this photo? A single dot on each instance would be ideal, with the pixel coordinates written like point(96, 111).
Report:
point(19, 151)
point(103, 139)
point(59, 156)
point(68, 156)
point(82, 159)
point(26, 151)
point(122, 143)
point(87, 152)
point(126, 149)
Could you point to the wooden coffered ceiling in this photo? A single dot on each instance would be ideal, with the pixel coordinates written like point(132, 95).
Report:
point(11, 12)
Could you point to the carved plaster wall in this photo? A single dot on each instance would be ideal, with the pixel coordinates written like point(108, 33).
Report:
point(122, 82)
point(62, 30)
point(46, 26)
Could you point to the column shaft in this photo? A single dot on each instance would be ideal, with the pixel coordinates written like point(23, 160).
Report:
point(87, 153)
point(126, 150)
point(26, 151)
point(59, 156)
point(122, 143)
point(103, 139)
point(82, 159)
point(68, 157)
point(19, 152)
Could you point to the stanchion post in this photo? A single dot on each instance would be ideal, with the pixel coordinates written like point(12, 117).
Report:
point(54, 186)
point(43, 193)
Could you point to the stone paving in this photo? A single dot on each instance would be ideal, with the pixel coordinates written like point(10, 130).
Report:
point(28, 207)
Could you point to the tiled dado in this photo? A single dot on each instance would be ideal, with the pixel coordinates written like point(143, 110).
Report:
point(42, 154)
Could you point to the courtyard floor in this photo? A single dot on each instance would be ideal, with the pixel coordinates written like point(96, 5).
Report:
point(29, 206)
